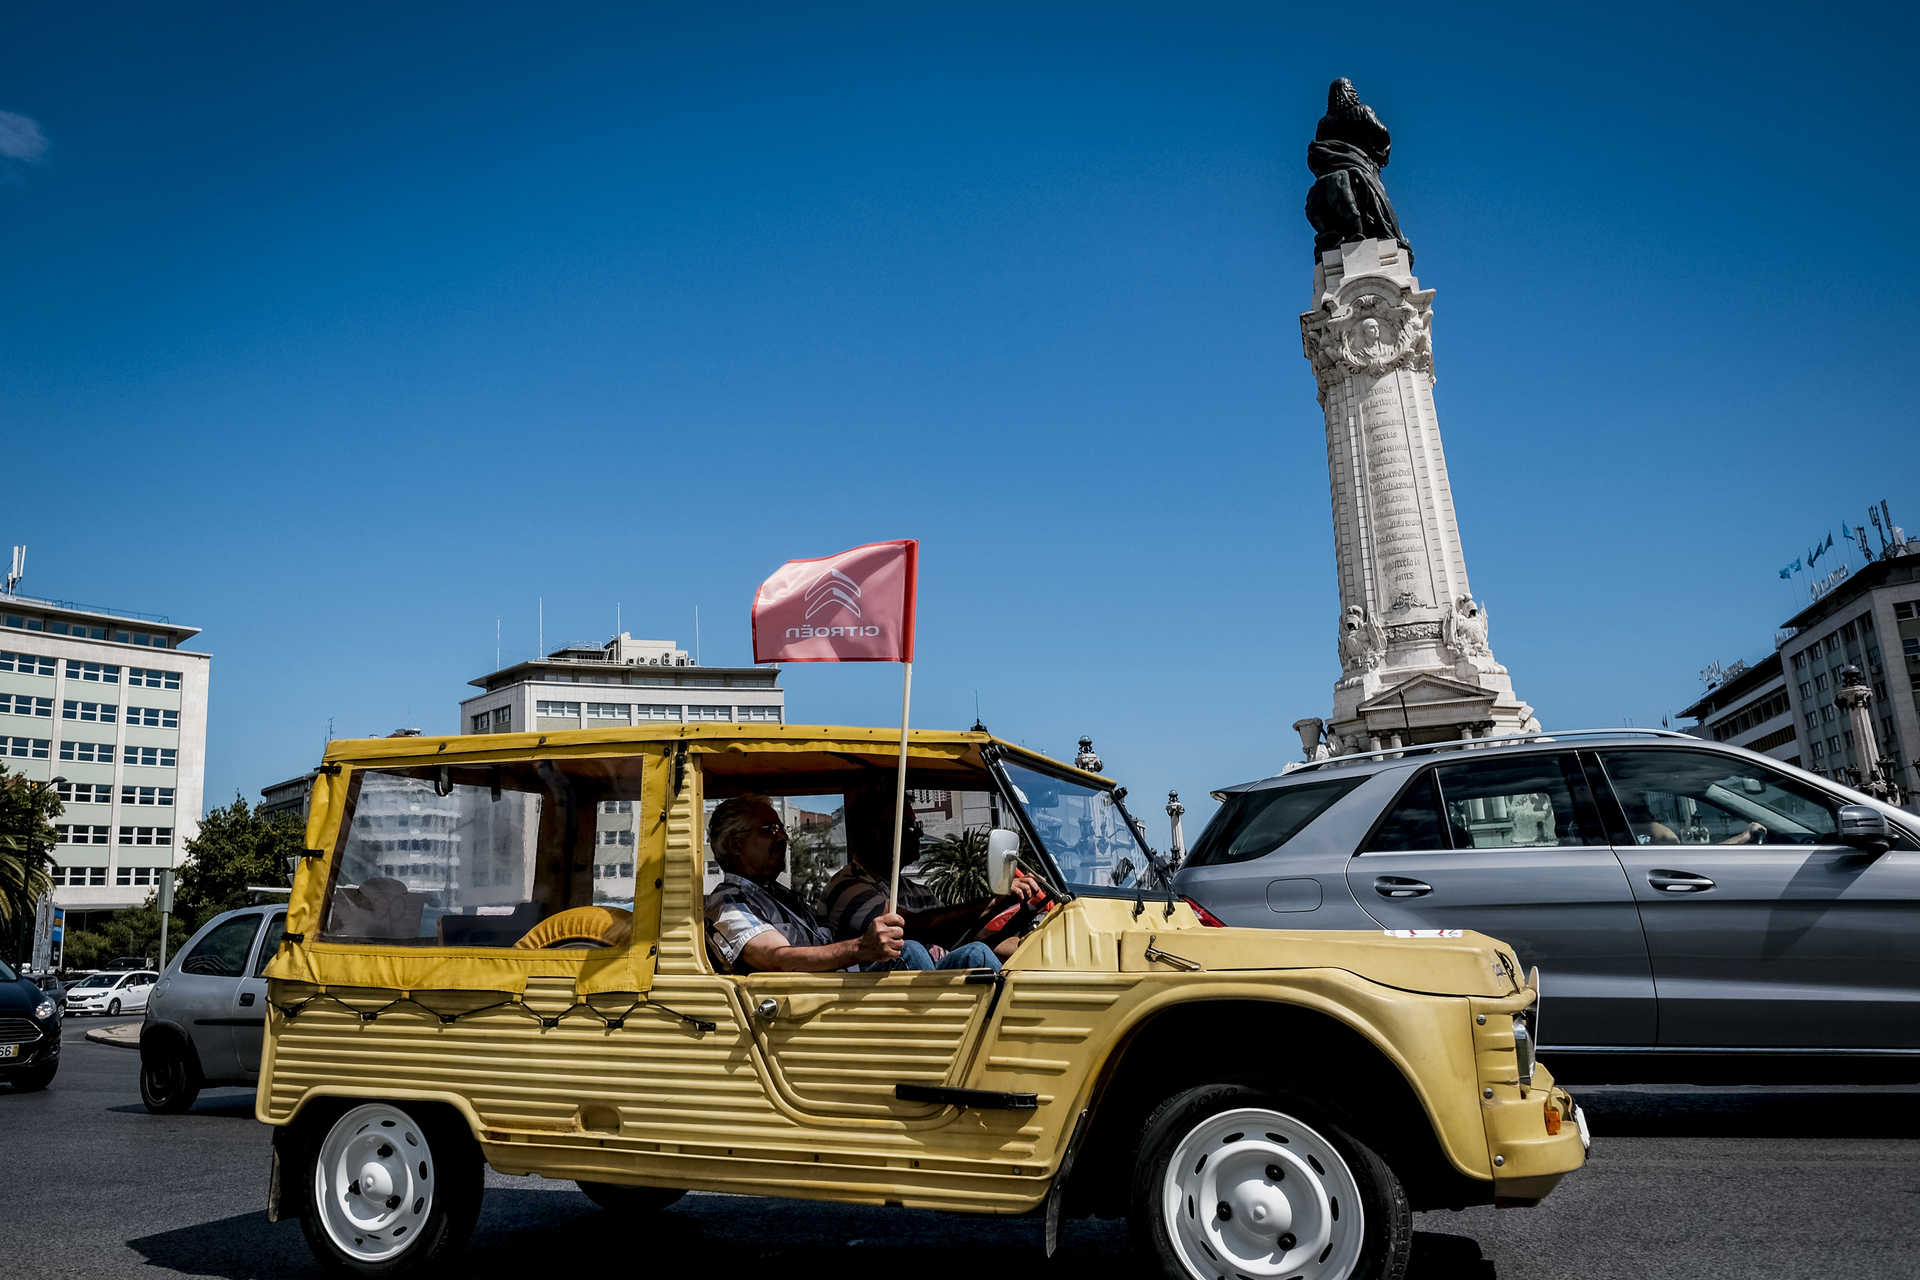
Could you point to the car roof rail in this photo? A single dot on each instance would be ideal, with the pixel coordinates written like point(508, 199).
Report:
point(1463, 744)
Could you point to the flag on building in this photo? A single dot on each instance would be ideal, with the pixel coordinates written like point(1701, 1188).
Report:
point(856, 606)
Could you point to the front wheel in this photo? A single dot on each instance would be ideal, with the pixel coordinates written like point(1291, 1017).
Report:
point(36, 1079)
point(1232, 1181)
point(169, 1080)
point(616, 1197)
point(386, 1192)
point(113, 1008)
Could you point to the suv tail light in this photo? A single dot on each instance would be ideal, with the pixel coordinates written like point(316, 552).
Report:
point(1206, 917)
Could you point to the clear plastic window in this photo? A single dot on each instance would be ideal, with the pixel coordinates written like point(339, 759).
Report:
point(476, 855)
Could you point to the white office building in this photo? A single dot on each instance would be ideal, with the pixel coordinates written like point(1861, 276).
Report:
point(623, 682)
point(109, 709)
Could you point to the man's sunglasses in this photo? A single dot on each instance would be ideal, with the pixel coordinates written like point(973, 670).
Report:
point(774, 828)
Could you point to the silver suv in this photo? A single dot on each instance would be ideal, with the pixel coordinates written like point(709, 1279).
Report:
point(1678, 895)
point(207, 1018)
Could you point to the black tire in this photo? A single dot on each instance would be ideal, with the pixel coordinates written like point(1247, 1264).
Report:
point(1385, 1241)
point(113, 1008)
point(618, 1197)
point(452, 1163)
point(35, 1080)
point(169, 1078)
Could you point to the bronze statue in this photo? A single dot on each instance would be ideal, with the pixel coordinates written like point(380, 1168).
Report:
point(1347, 153)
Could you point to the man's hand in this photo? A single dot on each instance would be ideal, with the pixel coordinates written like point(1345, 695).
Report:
point(884, 937)
point(1028, 890)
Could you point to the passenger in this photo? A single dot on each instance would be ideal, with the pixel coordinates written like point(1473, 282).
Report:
point(858, 891)
point(755, 923)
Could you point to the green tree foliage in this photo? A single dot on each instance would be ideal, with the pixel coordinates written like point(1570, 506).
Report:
point(133, 932)
point(27, 811)
point(810, 864)
point(954, 866)
point(236, 847)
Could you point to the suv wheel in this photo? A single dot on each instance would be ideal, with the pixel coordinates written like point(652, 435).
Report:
point(616, 1197)
point(384, 1192)
point(1235, 1181)
point(169, 1080)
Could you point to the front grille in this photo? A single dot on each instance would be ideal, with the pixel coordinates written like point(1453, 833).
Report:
point(18, 1031)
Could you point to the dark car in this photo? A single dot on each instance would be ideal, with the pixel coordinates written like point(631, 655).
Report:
point(29, 1032)
point(1685, 900)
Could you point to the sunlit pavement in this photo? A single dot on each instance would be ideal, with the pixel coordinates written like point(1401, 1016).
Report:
point(1693, 1182)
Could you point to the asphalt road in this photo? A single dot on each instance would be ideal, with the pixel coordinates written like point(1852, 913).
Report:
point(1694, 1183)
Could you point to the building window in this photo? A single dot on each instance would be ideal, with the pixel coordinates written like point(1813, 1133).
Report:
point(98, 712)
point(1904, 609)
point(1833, 745)
point(146, 835)
point(757, 713)
point(481, 721)
point(154, 717)
point(1827, 714)
point(136, 875)
point(146, 795)
point(1819, 751)
point(709, 713)
point(607, 711)
point(558, 709)
point(84, 792)
point(1800, 662)
point(87, 752)
point(655, 711)
point(21, 704)
point(27, 664)
point(1833, 642)
point(26, 748)
point(96, 672)
point(616, 806)
point(502, 719)
point(618, 837)
point(149, 678)
point(163, 757)
point(1910, 646)
point(1820, 682)
point(80, 833)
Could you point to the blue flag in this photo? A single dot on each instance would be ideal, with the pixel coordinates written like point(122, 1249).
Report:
point(1796, 566)
point(1844, 531)
point(1787, 572)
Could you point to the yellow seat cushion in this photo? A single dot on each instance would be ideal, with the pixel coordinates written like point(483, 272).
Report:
point(609, 925)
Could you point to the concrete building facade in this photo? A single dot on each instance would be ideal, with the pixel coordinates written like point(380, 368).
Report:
point(623, 682)
point(112, 712)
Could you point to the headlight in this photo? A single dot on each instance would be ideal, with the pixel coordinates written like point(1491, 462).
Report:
point(43, 1010)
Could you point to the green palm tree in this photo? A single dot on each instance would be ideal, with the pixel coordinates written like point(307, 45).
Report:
point(27, 811)
point(954, 866)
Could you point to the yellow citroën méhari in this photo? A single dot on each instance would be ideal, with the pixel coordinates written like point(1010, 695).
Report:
point(496, 954)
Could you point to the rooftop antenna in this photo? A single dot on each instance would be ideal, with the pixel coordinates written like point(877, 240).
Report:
point(696, 635)
point(542, 633)
point(616, 618)
point(979, 725)
point(496, 642)
point(19, 569)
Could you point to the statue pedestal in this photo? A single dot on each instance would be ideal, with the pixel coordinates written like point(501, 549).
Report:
point(1413, 646)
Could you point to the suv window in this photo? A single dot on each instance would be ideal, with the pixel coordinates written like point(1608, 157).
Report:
point(1697, 797)
point(1523, 803)
point(1252, 823)
point(223, 952)
point(1413, 822)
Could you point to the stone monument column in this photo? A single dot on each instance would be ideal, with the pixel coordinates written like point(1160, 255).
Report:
point(1415, 660)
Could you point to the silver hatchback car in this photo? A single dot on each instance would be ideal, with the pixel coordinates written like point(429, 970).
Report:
point(207, 1018)
point(1678, 895)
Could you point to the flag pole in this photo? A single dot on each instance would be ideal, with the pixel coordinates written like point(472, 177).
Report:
point(900, 787)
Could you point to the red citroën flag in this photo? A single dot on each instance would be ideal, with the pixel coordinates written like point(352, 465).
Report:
point(853, 607)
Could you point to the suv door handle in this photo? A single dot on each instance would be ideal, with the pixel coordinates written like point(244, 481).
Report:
point(1400, 887)
point(246, 999)
point(1678, 881)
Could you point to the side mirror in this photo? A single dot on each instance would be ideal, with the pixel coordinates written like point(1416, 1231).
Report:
point(1003, 859)
point(1864, 827)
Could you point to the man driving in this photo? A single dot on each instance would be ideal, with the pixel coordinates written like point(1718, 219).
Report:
point(858, 891)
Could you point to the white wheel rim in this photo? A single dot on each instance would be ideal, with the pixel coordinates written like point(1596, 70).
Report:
point(373, 1182)
point(1254, 1192)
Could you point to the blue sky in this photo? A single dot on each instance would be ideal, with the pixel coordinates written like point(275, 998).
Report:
point(342, 331)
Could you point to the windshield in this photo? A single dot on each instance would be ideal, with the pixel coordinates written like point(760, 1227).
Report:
point(1083, 827)
point(6, 974)
point(97, 980)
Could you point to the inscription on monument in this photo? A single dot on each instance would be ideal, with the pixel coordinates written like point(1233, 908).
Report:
point(1399, 533)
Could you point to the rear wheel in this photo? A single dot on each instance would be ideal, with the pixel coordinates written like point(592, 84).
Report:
point(617, 1197)
point(386, 1192)
point(1232, 1181)
point(169, 1079)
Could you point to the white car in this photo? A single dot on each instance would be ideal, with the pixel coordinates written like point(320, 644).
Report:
point(112, 993)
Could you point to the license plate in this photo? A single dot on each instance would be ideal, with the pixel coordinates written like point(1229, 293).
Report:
point(1586, 1135)
point(9, 1050)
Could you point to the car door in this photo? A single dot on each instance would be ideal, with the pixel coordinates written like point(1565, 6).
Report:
point(204, 992)
point(249, 1011)
point(1512, 845)
point(140, 989)
point(1791, 940)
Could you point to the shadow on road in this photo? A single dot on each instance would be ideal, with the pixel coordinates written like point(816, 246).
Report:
point(1774, 1113)
point(524, 1233)
point(231, 1103)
